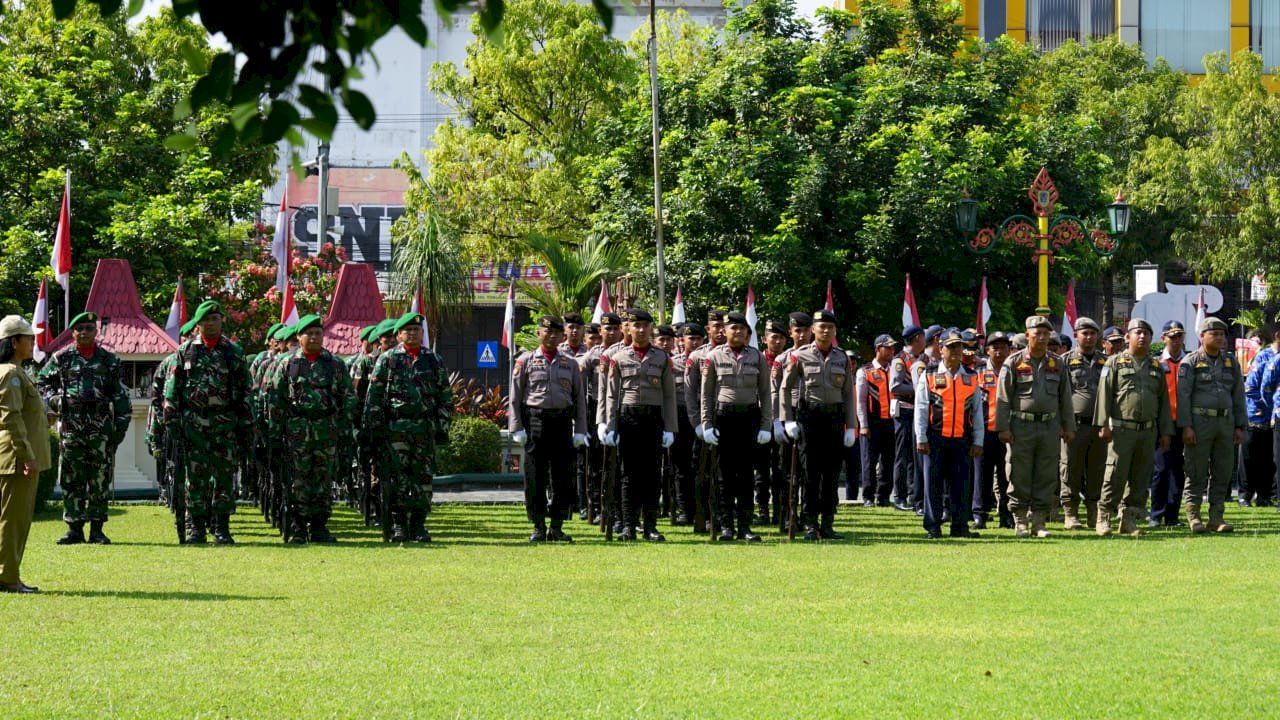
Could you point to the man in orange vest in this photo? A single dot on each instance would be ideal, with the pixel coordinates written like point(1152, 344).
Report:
point(949, 421)
point(875, 422)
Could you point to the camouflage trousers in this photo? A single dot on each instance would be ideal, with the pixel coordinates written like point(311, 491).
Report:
point(84, 474)
point(313, 467)
point(211, 465)
point(408, 472)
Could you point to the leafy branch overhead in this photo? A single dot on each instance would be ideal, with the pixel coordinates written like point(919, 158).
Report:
point(272, 44)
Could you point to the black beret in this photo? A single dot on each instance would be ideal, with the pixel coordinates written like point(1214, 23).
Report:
point(635, 314)
point(824, 316)
point(666, 331)
point(775, 326)
point(692, 329)
point(799, 319)
point(735, 318)
point(593, 329)
point(715, 316)
point(550, 322)
point(610, 318)
point(572, 319)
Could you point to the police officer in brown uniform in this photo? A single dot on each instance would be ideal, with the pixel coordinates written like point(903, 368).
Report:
point(592, 371)
point(1033, 414)
point(1084, 460)
point(682, 450)
point(800, 329)
point(1132, 406)
point(1212, 417)
point(640, 406)
point(824, 417)
point(547, 403)
point(770, 472)
point(693, 403)
point(736, 411)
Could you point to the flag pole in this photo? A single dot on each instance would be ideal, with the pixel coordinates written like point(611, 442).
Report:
point(657, 178)
point(66, 291)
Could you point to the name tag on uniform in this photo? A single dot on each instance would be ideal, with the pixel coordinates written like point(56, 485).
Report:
point(1025, 369)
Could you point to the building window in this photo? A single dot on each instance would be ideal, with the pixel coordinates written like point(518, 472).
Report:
point(1265, 31)
point(1052, 22)
point(992, 21)
point(1184, 31)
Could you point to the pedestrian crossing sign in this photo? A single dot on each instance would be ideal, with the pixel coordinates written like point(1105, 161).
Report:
point(487, 354)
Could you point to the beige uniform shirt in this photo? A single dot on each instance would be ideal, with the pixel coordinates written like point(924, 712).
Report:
point(24, 430)
point(820, 379)
point(735, 378)
point(1028, 385)
point(1132, 389)
point(547, 384)
point(1211, 383)
point(636, 380)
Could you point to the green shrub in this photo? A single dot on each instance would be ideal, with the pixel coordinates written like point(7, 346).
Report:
point(44, 489)
point(475, 446)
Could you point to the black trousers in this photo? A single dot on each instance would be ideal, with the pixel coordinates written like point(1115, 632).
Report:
point(639, 448)
point(947, 479)
point(764, 461)
point(991, 483)
point(1168, 478)
point(1259, 466)
point(549, 467)
point(906, 480)
point(821, 442)
point(878, 456)
point(737, 466)
point(684, 463)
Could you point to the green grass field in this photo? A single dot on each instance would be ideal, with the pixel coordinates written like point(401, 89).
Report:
point(481, 624)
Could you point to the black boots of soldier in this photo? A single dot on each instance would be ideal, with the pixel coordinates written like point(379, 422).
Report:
point(75, 534)
point(222, 530)
point(196, 532)
point(409, 528)
point(96, 536)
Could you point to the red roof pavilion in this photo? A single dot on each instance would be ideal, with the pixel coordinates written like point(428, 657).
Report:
point(357, 302)
point(126, 330)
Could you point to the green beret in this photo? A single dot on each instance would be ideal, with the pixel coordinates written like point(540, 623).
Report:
point(366, 332)
point(407, 319)
point(283, 333)
point(271, 331)
point(203, 309)
point(83, 317)
point(386, 327)
point(305, 322)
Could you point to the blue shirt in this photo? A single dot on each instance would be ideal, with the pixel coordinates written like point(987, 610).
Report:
point(1256, 401)
point(1270, 386)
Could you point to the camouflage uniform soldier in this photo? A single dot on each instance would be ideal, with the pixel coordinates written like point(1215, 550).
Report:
point(549, 414)
point(1084, 459)
point(1034, 412)
point(81, 384)
point(361, 369)
point(314, 393)
point(207, 395)
point(408, 409)
point(1132, 406)
point(1212, 416)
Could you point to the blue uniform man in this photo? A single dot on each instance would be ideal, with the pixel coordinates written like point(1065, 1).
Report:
point(1259, 466)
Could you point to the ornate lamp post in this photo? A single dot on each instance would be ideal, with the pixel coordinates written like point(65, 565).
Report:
point(1044, 234)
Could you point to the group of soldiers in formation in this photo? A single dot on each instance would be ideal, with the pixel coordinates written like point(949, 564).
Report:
point(625, 421)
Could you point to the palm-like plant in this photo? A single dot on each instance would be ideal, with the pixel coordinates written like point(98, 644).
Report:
point(427, 251)
point(576, 271)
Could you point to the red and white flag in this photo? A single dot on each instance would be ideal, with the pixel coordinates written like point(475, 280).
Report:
point(677, 315)
point(419, 305)
point(177, 313)
point(288, 310)
point(910, 316)
point(830, 305)
point(509, 319)
point(1200, 315)
point(752, 318)
point(60, 260)
point(602, 304)
point(1069, 313)
point(280, 245)
point(984, 309)
point(40, 321)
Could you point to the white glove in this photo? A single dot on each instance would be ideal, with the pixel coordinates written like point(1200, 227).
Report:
point(610, 439)
point(849, 435)
point(667, 439)
point(579, 440)
point(763, 437)
point(711, 436)
point(793, 430)
point(519, 437)
point(601, 429)
point(779, 434)
point(697, 430)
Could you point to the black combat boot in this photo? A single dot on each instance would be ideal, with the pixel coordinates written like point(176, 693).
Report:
point(222, 530)
point(96, 536)
point(195, 532)
point(398, 523)
point(558, 535)
point(762, 516)
point(417, 528)
point(297, 531)
point(75, 534)
point(539, 535)
point(319, 532)
point(826, 531)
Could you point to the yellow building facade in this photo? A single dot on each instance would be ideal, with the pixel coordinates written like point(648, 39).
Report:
point(1181, 31)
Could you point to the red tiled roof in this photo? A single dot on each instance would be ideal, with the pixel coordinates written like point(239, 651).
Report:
point(114, 297)
point(357, 302)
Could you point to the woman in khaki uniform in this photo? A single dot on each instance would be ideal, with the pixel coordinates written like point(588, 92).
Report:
point(24, 449)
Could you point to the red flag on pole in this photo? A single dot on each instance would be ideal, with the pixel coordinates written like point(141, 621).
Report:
point(280, 245)
point(288, 310)
point(40, 321)
point(910, 316)
point(829, 306)
point(602, 303)
point(509, 318)
point(984, 309)
point(419, 305)
point(752, 318)
point(177, 313)
point(677, 315)
point(1069, 313)
point(60, 261)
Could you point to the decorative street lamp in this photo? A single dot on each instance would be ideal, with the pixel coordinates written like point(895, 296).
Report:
point(1044, 234)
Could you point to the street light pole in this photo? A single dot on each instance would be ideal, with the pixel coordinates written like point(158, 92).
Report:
point(1049, 232)
point(657, 167)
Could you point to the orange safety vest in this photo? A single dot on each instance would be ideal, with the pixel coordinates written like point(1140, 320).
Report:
point(878, 401)
point(1170, 367)
point(949, 404)
point(987, 381)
